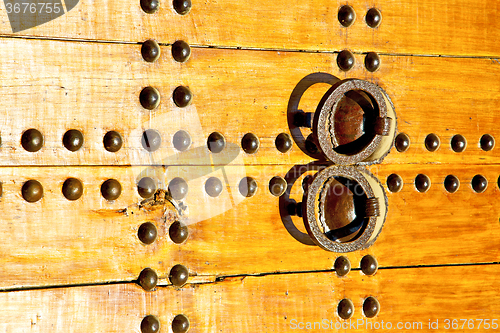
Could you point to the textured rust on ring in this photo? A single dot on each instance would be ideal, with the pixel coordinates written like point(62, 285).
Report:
point(324, 127)
point(372, 207)
point(383, 126)
point(311, 222)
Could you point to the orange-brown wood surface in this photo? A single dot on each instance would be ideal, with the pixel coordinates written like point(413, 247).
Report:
point(409, 297)
point(234, 92)
point(55, 241)
point(230, 234)
point(459, 27)
point(73, 265)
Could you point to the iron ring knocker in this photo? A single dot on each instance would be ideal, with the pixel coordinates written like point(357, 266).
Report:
point(378, 124)
point(318, 209)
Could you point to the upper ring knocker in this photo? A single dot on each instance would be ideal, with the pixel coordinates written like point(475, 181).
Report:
point(354, 123)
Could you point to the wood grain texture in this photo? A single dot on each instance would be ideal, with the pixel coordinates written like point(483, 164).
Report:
point(230, 234)
point(56, 241)
point(55, 86)
point(275, 303)
point(452, 27)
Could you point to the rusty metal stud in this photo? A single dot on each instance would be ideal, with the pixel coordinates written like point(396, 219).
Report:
point(181, 51)
point(458, 143)
point(345, 60)
point(283, 142)
point(371, 307)
point(150, 324)
point(32, 140)
point(277, 186)
point(146, 187)
point(178, 275)
point(369, 265)
point(150, 6)
point(432, 142)
point(73, 140)
point(422, 183)
point(148, 279)
point(182, 96)
point(402, 142)
point(72, 189)
point(178, 188)
point(111, 189)
point(151, 140)
point(182, 7)
point(394, 183)
point(373, 17)
point(487, 142)
point(147, 233)
point(32, 190)
point(479, 183)
point(346, 16)
point(150, 50)
point(372, 62)
point(345, 309)
point(342, 266)
point(248, 187)
point(181, 140)
point(250, 143)
point(149, 98)
point(180, 324)
point(112, 141)
point(451, 183)
point(178, 232)
point(216, 142)
point(213, 187)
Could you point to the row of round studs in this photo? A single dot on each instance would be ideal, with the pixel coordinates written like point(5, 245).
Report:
point(369, 266)
point(451, 183)
point(347, 16)
point(432, 142)
point(151, 324)
point(181, 51)
point(32, 141)
point(149, 97)
point(345, 308)
point(181, 7)
point(151, 51)
point(148, 280)
point(111, 189)
point(148, 232)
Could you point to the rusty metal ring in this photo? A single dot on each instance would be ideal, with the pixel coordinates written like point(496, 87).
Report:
point(324, 118)
point(376, 208)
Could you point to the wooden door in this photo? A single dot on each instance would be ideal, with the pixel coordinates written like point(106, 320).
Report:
point(137, 136)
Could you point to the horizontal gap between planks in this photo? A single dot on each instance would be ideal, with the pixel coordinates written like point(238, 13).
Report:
point(79, 40)
point(222, 278)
